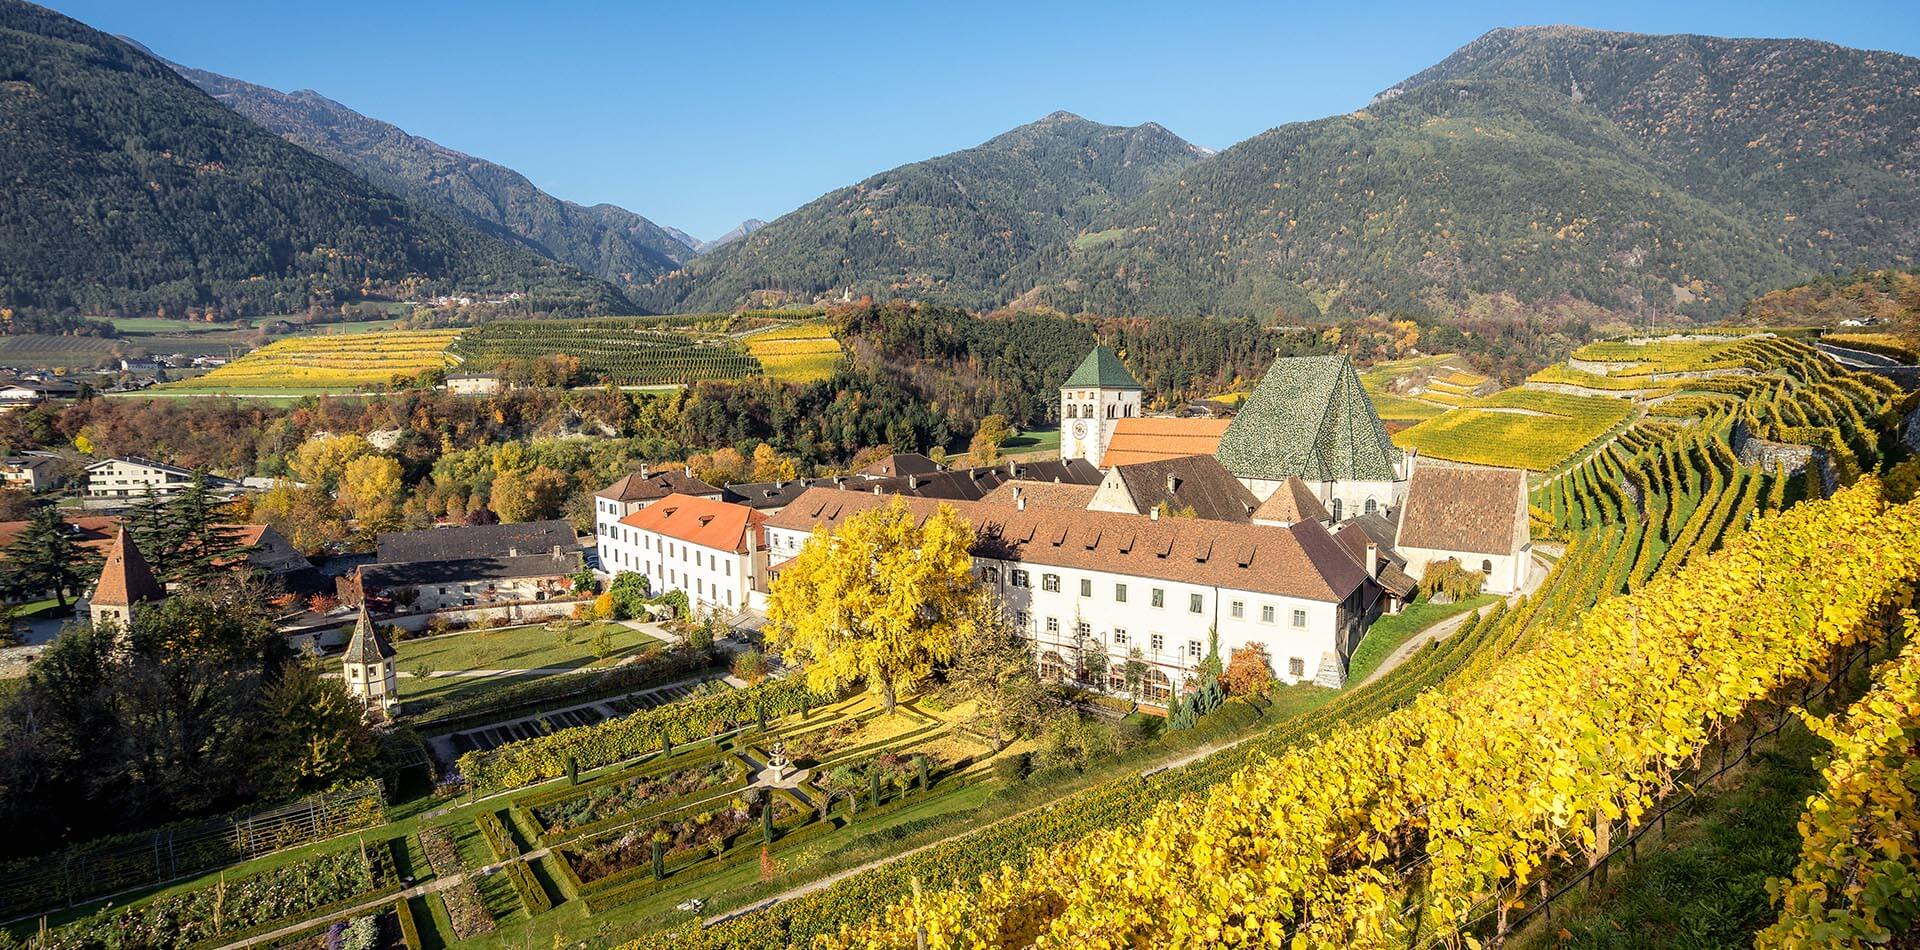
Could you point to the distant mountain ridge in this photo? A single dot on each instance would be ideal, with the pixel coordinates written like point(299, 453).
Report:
point(131, 191)
point(949, 228)
point(1674, 173)
point(604, 240)
point(739, 231)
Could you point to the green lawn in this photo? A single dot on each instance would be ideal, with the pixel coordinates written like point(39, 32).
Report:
point(1390, 631)
point(520, 648)
point(1033, 440)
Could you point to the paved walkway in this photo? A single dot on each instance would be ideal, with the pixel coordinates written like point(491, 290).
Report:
point(1536, 575)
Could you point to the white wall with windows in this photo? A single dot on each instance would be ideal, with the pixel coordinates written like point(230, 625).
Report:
point(710, 577)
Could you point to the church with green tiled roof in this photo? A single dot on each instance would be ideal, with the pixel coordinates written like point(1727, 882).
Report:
point(1310, 417)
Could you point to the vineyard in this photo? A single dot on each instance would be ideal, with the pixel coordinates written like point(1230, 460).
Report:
point(796, 353)
point(345, 361)
point(1517, 428)
point(634, 351)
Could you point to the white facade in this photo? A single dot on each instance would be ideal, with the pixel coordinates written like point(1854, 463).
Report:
point(1506, 573)
point(710, 576)
point(135, 478)
point(1087, 416)
point(1068, 615)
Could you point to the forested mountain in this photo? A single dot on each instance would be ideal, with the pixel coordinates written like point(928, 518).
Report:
point(127, 190)
point(603, 240)
point(1676, 173)
point(950, 228)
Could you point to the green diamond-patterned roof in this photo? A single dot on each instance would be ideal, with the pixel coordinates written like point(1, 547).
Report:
point(1309, 417)
point(1101, 369)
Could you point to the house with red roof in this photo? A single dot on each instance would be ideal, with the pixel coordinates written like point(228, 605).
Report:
point(712, 550)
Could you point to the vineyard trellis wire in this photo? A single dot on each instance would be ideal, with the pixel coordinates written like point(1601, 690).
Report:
point(100, 869)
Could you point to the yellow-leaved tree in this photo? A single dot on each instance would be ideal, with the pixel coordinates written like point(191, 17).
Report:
point(881, 601)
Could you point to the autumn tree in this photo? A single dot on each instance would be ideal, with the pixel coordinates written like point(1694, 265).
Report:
point(323, 459)
point(770, 466)
point(370, 491)
point(304, 514)
point(1248, 670)
point(992, 433)
point(881, 600)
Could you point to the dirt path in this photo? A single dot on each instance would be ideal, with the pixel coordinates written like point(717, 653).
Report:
point(1536, 575)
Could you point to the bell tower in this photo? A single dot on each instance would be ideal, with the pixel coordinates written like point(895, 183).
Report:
point(1098, 394)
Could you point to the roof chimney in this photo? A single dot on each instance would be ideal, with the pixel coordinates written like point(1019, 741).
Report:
point(513, 552)
point(687, 470)
point(1019, 498)
point(913, 483)
point(1373, 559)
point(1173, 483)
point(1154, 513)
point(645, 470)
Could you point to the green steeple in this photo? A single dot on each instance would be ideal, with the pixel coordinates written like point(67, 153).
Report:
point(1101, 369)
point(1309, 417)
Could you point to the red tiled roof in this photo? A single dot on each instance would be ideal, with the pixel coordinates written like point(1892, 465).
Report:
point(1300, 561)
point(702, 521)
point(1153, 439)
point(1292, 501)
point(1469, 508)
point(93, 533)
point(1042, 494)
point(126, 580)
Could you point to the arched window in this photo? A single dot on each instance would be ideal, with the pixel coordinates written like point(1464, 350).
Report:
point(1336, 509)
point(1372, 506)
point(1110, 410)
point(1486, 567)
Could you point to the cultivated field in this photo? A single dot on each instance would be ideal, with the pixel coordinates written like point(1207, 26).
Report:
point(800, 353)
point(1517, 428)
point(342, 361)
point(629, 351)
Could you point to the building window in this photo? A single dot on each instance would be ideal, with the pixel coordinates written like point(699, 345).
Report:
point(1299, 618)
point(1266, 613)
point(1336, 509)
point(1372, 506)
point(1119, 636)
point(1157, 641)
point(1194, 649)
point(1050, 582)
point(1159, 597)
point(1082, 629)
point(1486, 567)
point(1239, 609)
point(990, 574)
point(1086, 587)
point(1296, 667)
point(1018, 578)
point(1053, 625)
point(1119, 593)
point(1193, 604)
point(1021, 622)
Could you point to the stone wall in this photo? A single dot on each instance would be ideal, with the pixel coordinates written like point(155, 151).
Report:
point(1770, 455)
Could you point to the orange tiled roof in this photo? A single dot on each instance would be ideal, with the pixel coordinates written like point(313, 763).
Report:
point(702, 521)
point(1148, 439)
point(126, 580)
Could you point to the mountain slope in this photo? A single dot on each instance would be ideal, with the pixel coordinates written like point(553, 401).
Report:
point(603, 240)
point(129, 191)
point(949, 228)
point(739, 231)
point(1681, 173)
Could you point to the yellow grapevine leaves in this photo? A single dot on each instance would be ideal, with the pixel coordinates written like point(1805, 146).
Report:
point(1477, 785)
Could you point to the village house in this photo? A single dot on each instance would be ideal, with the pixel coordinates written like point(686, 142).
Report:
point(632, 493)
point(711, 550)
point(132, 478)
point(32, 473)
point(500, 565)
point(1195, 486)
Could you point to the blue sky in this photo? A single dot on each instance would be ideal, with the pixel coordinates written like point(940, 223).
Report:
point(702, 114)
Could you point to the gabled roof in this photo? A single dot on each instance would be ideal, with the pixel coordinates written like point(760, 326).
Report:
point(1101, 369)
point(701, 521)
point(125, 579)
point(652, 486)
point(1302, 561)
point(1198, 482)
point(1151, 438)
point(1292, 501)
point(213, 481)
point(764, 495)
point(375, 577)
point(95, 533)
point(1466, 508)
point(368, 645)
point(476, 541)
point(1041, 494)
point(901, 463)
point(1309, 417)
